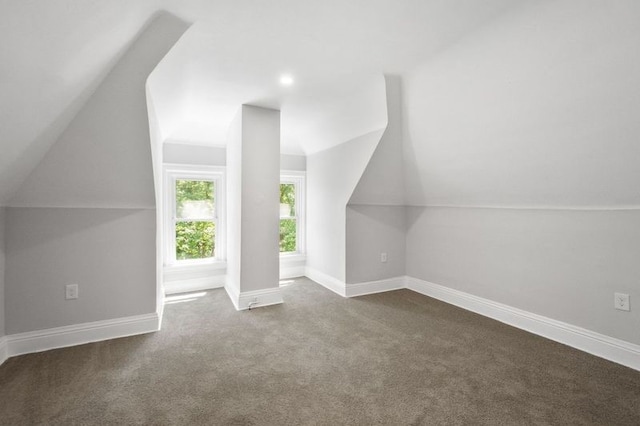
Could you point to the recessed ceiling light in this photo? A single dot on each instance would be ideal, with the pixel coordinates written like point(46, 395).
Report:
point(286, 80)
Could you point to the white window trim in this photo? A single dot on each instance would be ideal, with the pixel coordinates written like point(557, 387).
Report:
point(299, 179)
point(183, 171)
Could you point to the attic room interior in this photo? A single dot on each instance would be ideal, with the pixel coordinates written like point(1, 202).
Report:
point(302, 212)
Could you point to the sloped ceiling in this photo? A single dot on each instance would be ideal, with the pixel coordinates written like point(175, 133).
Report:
point(54, 54)
point(540, 109)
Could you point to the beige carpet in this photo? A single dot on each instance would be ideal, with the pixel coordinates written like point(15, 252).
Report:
point(396, 358)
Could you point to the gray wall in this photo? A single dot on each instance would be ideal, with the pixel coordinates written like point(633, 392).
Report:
point(372, 230)
point(181, 153)
point(2, 269)
point(253, 185)
point(260, 198)
point(562, 264)
point(375, 220)
point(293, 162)
point(535, 116)
point(332, 176)
point(86, 213)
point(109, 253)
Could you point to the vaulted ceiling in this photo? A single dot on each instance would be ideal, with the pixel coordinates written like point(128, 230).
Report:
point(55, 53)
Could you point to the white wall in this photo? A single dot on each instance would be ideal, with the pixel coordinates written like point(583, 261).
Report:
point(234, 204)
point(2, 269)
point(93, 194)
point(382, 181)
point(332, 176)
point(538, 109)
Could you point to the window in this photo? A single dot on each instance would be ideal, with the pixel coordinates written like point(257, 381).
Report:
point(193, 212)
point(292, 213)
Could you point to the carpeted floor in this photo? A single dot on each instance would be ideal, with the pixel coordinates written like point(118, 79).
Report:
point(395, 358)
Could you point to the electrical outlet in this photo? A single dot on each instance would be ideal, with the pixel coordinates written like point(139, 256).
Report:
point(621, 301)
point(71, 291)
point(383, 257)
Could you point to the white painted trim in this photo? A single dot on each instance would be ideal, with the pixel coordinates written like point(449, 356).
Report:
point(525, 207)
point(379, 286)
point(242, 301)
point(325, 280)
point(298, 178)
point(4, 349)
point(259, 298)
point(194, 284)
point(79, 334)
point(233, 293)
point(216, 174)
point(612, 349)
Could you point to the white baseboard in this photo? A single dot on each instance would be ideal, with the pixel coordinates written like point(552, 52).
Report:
point(357, 289)
point(253, 299)
point(233, 293)
point(259, 298)
point(194, 284)
point(72, 335)
point(4, 350)
point(371, 287)
point(612, 349)
point(327, 281)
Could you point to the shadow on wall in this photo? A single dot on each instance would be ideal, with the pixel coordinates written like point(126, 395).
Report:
point(86, 213)
point(18, 171)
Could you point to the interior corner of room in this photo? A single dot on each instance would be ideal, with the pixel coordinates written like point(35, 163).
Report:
point(491, 164)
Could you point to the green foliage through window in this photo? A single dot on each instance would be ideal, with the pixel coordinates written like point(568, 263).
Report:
point(288, 226)
point(287, 235)
point(195, 239)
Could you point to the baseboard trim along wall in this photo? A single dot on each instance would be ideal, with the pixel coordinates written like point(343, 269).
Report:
point(254, 299)
point(600, 345)
point(72, 335)
point(356, 289)
point(331, 283)
point(4, 350)
point(371, 287)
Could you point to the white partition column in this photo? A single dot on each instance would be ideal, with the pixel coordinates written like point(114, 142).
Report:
point(253, 184)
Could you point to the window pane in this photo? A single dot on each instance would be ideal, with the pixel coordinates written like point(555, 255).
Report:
point(287, 199)
point(287, 235)
point(195, 240)
point(194, 199)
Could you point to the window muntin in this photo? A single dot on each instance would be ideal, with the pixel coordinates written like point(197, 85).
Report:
point(292, 213)
point(195, 219)
point(194, 227)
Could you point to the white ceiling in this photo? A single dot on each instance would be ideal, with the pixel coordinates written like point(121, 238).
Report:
point(54, 53)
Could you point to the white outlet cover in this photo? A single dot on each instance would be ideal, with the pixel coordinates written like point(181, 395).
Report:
point(71, 291)
point(621, 301)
